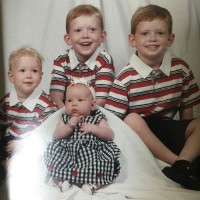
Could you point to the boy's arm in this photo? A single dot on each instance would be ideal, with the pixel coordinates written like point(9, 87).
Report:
point(57, 98)
point(101, 102)
point(104, 79)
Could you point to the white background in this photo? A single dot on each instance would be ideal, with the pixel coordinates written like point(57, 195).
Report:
point(41, 24)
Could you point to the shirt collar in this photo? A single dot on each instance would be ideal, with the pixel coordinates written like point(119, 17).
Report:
point(30, 102)
point(90, 62)
point(144, 70)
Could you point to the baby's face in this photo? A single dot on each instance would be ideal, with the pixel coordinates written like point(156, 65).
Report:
point(79, 101)
point(26, 75)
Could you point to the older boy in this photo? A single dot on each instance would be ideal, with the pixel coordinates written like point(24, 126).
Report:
point(86, 58)
point(155, 84)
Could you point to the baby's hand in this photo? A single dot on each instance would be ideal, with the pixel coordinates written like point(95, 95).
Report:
point(87, 128)
point(74, 121)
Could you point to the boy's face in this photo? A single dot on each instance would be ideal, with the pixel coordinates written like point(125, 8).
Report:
point(79, 101)
point(26, 75)
point(151, 39)
point(85, 35)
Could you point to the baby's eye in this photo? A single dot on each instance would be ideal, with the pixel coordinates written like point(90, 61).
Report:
point(69, 100)
point(22, 70)
point(92, 29)
point(80, 100)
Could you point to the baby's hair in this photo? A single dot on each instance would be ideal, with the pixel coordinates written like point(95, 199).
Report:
point(83, 10)
point(25, 50)
point(149, 13)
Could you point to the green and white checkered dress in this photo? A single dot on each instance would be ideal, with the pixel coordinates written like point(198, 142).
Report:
point(83, 160)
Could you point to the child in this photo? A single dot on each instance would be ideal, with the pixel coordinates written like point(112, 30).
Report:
point(154, 84)
point(83, 152)
point(26, 106)
point(86, 58)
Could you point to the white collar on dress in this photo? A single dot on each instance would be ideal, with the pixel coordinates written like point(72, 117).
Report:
point(144, 70)
point(90, 62)
point(30, 102)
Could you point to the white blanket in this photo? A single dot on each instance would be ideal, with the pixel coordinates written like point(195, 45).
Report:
point(140, 176)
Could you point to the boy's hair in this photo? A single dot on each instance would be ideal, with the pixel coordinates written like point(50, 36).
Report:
point(25, 50)
point(149, 13)
point(86, 10)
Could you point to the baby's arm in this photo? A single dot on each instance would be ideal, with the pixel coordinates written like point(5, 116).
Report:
point(64, 130)
point(102, 130)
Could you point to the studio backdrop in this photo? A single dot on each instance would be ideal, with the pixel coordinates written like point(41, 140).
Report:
point(41, 24)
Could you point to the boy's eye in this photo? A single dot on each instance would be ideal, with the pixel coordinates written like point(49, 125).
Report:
point(77, 30)
point(160, 33)
point(80, 100)
point(144, 33)
point(35, 70)
point(69, 100)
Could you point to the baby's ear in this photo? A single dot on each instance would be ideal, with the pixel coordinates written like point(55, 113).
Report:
point(93, 105)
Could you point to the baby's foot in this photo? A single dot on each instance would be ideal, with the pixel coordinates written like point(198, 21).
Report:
point(64, 186)
point(89, 188)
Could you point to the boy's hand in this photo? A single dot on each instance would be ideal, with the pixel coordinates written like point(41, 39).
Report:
point(11, 146)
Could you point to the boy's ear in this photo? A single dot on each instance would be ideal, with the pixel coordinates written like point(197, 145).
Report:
point(131, 39)
point(103, 36)
point(171, 39)
point(67, 39)
point(10, 77)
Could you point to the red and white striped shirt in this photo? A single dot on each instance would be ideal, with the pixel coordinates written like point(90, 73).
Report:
point(137, 90)
point(99, 70)
point(21, 118)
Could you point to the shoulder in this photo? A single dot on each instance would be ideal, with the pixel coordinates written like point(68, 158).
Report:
point(97, 113)
point(126, 72)
point(63, 57)
point(104, 56)
point(5, 99)
point(46, 100)
point(176, 61)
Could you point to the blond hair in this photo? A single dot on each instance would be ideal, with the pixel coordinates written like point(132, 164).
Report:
point(149, 13)
point(83, 10)
point(25, 50)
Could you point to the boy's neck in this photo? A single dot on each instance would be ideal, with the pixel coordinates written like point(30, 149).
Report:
point(153, 63)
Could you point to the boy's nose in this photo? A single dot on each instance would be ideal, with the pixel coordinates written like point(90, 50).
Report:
point(153, 36)
point(85, 33)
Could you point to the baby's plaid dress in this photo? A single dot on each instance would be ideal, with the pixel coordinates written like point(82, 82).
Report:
point(85, 159)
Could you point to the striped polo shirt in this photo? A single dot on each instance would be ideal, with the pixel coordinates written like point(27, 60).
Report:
point(21, 118)
point(140, 89)
point(98, 70)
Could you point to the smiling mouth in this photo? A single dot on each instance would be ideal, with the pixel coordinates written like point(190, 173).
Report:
point(85, 43)
point(28, 83)
point(152, 46)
